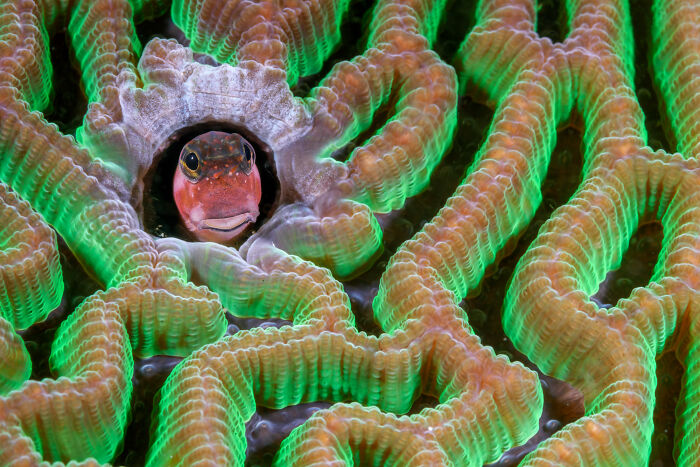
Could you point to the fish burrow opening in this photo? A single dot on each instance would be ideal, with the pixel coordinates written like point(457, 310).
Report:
point(160, 215)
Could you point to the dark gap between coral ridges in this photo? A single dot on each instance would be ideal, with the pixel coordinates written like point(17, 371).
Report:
point(161, 27)
point(381, 116)
point(563, 404)
point(353, 38)
point(449, 37)
point(669, 377)
point(656, 122)
point(551, 20)
point(149, 376)
point(267, 428)
point(160, 215)
point(39, 337)
point(636, 267)
point(67, 101)
point(236, 323)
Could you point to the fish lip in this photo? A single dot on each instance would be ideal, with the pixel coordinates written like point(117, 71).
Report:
point(227, 224)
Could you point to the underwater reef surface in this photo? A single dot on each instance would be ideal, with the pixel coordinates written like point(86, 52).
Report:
point(477, 243)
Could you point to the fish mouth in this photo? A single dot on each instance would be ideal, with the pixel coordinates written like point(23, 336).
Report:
point(228, 224)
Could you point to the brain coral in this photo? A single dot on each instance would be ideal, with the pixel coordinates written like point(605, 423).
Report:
point(347, 153)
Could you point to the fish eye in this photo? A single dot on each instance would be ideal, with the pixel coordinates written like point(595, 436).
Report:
point(191, 161)
point(248, 152)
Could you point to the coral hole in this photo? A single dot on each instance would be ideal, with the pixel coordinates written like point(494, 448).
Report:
point(160, 215)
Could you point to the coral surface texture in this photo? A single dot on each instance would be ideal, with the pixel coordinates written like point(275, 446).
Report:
point(345, 320)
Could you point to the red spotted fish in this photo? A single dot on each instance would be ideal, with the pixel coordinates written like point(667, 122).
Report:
point(217, 186)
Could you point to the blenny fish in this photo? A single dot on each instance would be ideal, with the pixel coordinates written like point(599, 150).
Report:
point(217, 186)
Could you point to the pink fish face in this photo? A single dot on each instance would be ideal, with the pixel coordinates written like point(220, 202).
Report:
point(217, 186)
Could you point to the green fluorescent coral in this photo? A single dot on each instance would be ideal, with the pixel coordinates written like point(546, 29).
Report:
point(350, 151)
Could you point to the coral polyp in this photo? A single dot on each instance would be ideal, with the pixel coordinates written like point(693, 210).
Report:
point(349, 154)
